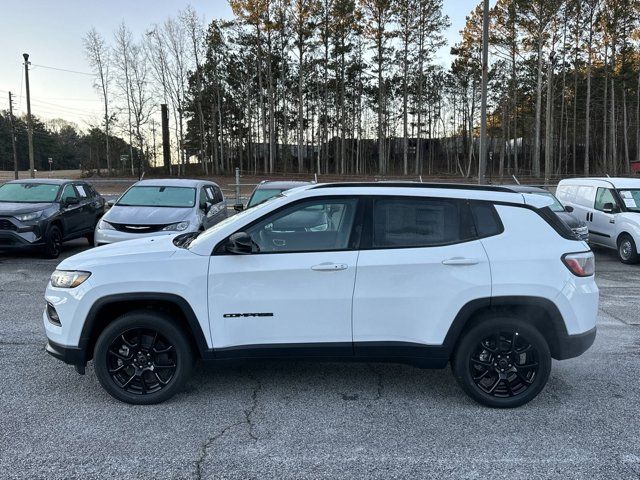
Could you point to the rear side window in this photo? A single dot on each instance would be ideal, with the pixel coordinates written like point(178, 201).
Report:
point(486, 219)
point(419, 222)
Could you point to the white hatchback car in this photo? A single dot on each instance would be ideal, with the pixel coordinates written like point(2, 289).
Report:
point(151, 208)
point(484, 277)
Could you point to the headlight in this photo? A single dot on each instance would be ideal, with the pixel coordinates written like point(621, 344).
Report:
point(68, 279)
point(104, 225)
point(177, 227)
point(27, 217)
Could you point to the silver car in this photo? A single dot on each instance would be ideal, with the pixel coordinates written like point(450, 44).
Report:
point(162, 207)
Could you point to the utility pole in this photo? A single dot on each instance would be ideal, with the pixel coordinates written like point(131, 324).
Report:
point(482, 162)
point(29, 119)
point(13, 138)
point(153, 129)
point(166, 143)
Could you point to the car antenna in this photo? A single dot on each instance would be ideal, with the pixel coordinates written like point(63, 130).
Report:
point(516, 179)
point(608, 175)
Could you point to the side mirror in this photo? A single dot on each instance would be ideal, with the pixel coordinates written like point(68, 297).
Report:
point(568, 209)
point(238, 207)
point(71, 201)
point(607, 207)
point(239, 243)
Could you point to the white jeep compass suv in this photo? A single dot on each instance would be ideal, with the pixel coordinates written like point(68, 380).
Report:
point(426, 274)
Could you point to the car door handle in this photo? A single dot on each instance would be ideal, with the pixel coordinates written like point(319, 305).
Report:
point(329, 267)
point(461, 261)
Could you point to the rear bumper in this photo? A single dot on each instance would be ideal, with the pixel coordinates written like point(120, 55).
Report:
point(70, 355)
point(570, 346)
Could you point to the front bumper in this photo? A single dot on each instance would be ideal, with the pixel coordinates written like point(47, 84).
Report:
point(70, 355)
point(570, 346)
point(18, 239)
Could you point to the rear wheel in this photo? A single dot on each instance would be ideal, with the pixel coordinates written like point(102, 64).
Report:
point(143, 358)
point(53, 242)
point(627, 252)
point(502, 362)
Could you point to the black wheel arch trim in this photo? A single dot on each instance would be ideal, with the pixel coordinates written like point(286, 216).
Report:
point(562, 346)
point(178, 301)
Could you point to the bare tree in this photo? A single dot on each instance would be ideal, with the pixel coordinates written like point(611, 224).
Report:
point(99, 58)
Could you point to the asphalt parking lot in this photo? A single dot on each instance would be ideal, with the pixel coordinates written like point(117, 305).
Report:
point(318, 420)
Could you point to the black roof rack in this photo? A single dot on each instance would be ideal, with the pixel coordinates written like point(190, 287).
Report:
point(452, 186)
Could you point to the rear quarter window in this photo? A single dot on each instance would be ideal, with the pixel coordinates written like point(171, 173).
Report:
point(486, 220)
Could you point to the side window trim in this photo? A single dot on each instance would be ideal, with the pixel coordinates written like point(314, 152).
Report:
point(353, 243)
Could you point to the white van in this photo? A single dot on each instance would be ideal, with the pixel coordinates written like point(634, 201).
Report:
point(611, 208)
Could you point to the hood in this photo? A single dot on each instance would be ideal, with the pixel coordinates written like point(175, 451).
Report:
point(18, 208)
point(142, 249)
point(570, 219)
point(146, 215)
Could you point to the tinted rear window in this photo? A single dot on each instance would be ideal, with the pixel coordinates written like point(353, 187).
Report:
point(486, 219)
point(419, 222)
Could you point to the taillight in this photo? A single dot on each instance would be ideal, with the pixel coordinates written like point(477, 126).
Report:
point(580, 264)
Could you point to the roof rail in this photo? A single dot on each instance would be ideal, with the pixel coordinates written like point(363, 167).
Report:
point(452, 186)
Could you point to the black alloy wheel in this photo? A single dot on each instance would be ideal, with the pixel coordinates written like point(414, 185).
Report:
point(53, 242)
point(141, 361)
point(502, 362)
point(143, 357)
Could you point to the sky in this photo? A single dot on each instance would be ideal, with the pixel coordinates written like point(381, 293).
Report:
point(52, 32)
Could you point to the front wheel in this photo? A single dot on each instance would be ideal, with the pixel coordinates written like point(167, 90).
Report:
point(502, 362)
point(143, 358)
point(627, 252)
point(53, 242)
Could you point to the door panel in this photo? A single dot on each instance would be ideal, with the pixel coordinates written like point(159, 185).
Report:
point(281, 298)
point(422, 267)
point(297, 285)
point(602, 226)
point(413, 295)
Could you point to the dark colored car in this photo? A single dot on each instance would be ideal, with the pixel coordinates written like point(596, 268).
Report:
point(266, 190)
point(564, 213)
point(43, 213)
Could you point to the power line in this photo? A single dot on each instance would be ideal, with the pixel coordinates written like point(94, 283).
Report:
point(63, 70)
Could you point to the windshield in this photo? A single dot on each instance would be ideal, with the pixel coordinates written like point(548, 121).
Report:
point(176, 197)
point(228, 221)
point(29, 192)
point(631, 199)
point(556, 206)
point(262, 195)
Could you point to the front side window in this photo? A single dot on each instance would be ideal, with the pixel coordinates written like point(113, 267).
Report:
point(318, 225)
point(67, 193)
point(29, 192)
point(148, 196)
point(419, 222)
point(604, 196)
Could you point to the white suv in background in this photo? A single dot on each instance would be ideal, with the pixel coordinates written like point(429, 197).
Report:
point(611, 208)
point(426, 274)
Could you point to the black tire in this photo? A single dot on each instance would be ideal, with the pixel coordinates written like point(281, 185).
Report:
point(143, 357)
point(52, 242)
point(90, 238)
point(496, 375)
point(627, 252)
